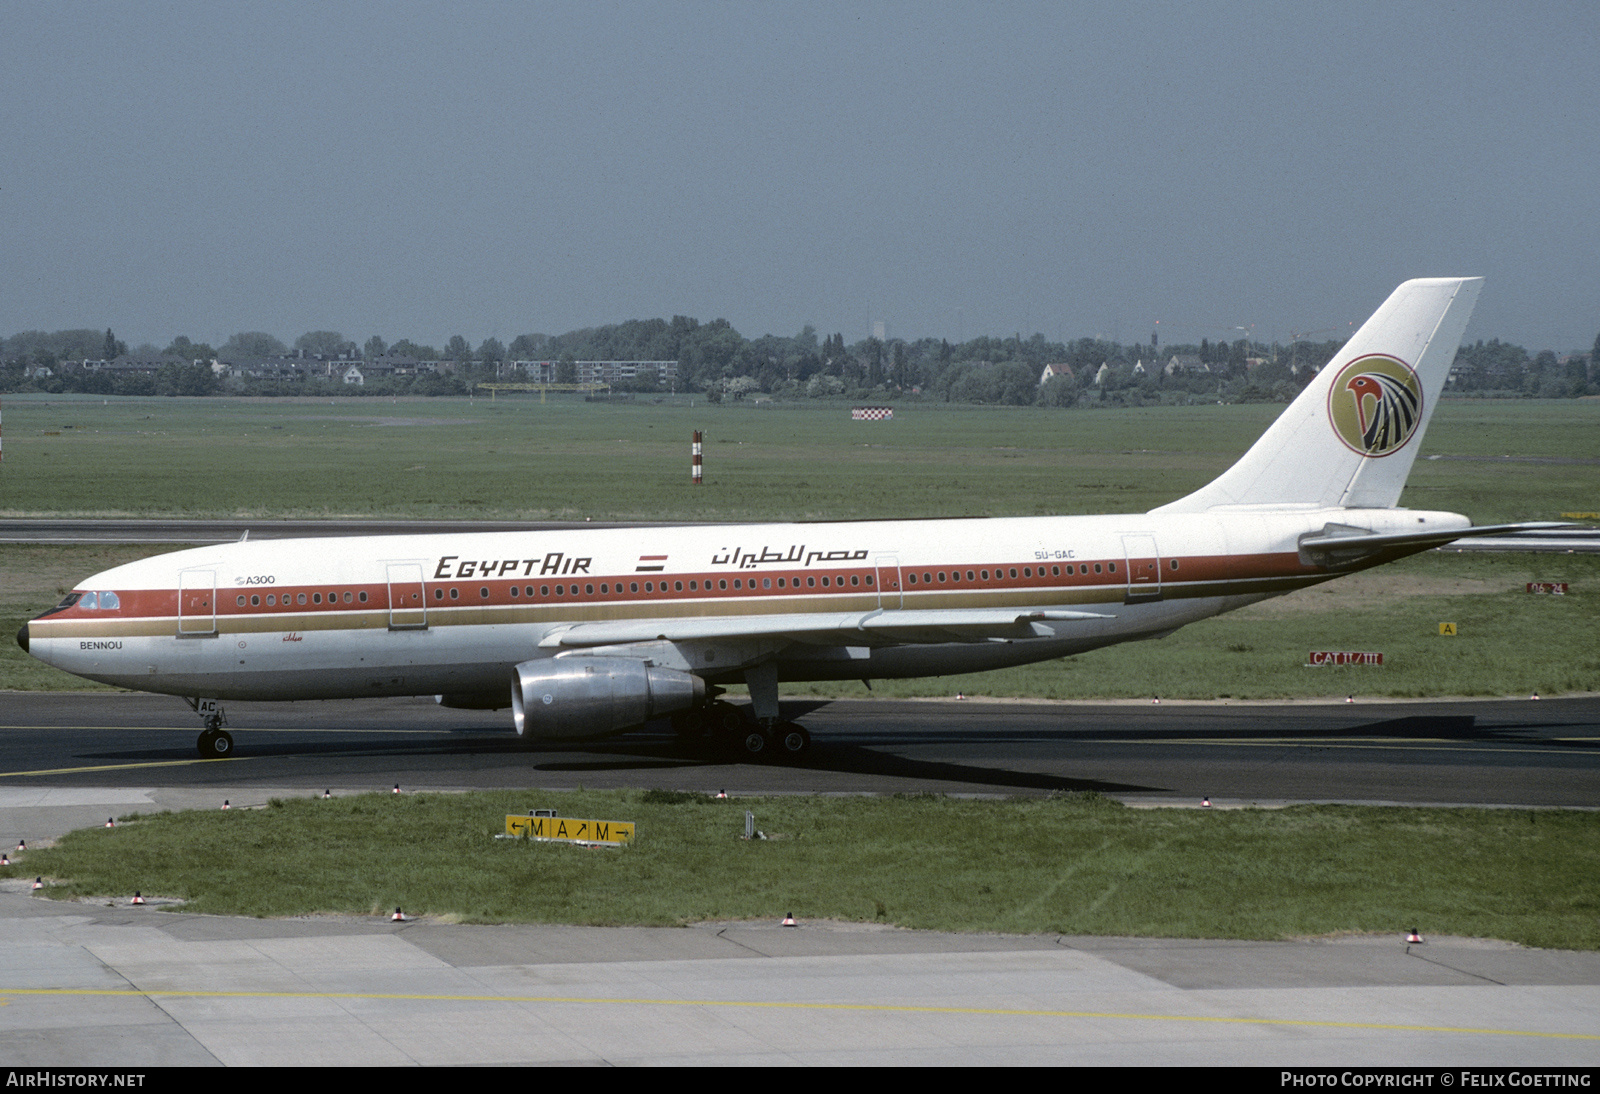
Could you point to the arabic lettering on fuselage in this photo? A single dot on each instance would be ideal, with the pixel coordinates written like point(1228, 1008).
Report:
point(770, 556)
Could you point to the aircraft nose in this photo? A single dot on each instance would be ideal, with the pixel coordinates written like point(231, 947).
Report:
point(22, 638)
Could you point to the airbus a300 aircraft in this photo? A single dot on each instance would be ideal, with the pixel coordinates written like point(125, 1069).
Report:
point(588, 632)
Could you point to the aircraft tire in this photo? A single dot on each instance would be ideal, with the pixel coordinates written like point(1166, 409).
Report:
point(727, 720)
point(793, 740)
point(215, 744)
point(756, 745)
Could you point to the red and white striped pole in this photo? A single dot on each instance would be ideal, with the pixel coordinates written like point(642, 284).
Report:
point(695, 469)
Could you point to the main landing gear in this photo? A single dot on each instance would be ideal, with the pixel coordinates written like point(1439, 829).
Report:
point(735, 730)
point(756, 732)
point(214, 742)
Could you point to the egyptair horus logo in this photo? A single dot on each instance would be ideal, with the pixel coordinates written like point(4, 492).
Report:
point(1375, 404)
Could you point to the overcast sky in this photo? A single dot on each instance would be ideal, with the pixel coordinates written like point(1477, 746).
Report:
point(417, 171)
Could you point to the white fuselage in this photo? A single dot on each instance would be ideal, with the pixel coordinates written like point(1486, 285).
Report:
point(452, 614)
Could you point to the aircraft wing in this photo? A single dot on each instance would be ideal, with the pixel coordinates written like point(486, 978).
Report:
point(1335, 545)
point(848, 628)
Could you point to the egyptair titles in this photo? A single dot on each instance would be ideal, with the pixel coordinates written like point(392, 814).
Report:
point(795, 555)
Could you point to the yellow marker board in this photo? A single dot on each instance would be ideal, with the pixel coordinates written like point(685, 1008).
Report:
point(1447, 628)
point(569, 829)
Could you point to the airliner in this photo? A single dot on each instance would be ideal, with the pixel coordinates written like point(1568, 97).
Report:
point(585, 633)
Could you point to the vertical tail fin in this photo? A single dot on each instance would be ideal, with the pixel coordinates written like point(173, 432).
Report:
point(1351, 436)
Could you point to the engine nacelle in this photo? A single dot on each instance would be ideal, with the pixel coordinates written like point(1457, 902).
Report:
point(594, 696)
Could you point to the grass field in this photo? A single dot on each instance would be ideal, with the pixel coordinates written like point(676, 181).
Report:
point(454, 458)
point(1494, 460)
point(1074, 865)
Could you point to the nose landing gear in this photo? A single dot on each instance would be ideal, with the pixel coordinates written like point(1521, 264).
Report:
point(214, 742)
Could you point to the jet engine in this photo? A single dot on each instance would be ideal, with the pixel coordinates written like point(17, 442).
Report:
point(594, 696)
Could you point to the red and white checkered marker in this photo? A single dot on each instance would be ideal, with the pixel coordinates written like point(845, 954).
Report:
point(871, 413)
point(788, 920)
point(398, 917)
point(137, 899)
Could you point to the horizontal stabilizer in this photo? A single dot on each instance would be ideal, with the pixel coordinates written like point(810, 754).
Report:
point(1331, 548)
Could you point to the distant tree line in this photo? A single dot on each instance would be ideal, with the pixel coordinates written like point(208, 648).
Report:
point(716, 360)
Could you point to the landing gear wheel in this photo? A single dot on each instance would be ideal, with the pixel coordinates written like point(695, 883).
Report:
point(793, 740)
point(215, 744)
point(756, 744)
point(726, 720)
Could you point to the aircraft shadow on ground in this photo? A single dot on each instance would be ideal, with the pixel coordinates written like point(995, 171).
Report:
point(655, 748)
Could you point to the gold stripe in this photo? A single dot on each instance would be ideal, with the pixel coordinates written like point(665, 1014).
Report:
point(881, 1008)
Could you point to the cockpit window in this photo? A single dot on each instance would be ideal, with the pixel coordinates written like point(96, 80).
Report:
point(91, 601)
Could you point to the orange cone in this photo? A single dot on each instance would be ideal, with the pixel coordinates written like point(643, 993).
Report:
point(397, 788)
point(1413, 936)
point(788, 920)
point(137, 899)
point(224, 803)
point(722, 795)
point(5, 860)
point(1205, 803)
point(398, 917)
point(38, 883)
point(22, 845)
point(111, 822)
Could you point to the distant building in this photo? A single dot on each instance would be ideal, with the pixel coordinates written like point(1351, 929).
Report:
point(1185, 362)
point(1051, 371)
point(664, 373)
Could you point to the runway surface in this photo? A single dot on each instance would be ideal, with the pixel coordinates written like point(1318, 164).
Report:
point(107, 984)
point(1509, 752)
point(124, 987)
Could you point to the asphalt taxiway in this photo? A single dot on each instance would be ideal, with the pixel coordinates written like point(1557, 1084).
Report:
point(1508, 752)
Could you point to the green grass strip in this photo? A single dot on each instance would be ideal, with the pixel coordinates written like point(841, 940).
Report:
point(1078, 864)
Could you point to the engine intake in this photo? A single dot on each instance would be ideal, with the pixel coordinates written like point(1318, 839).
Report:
point(595, 696)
